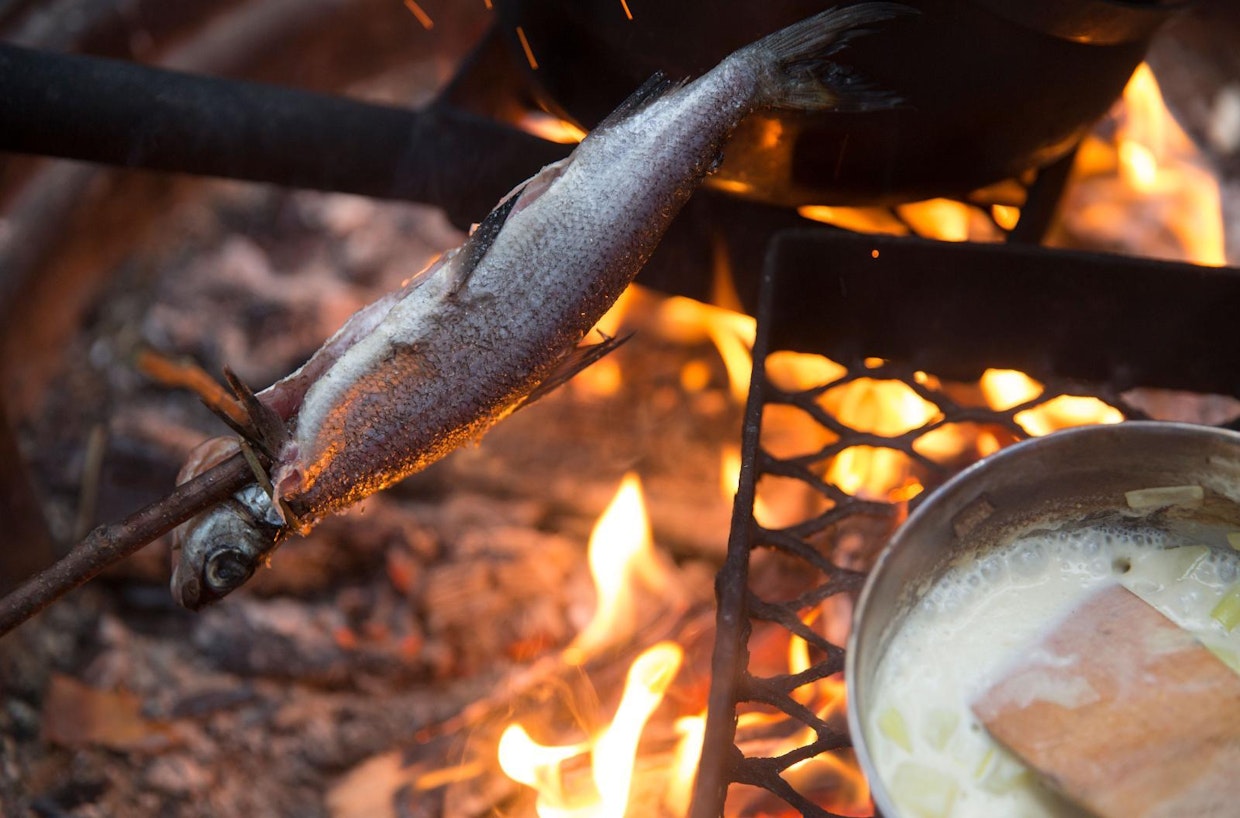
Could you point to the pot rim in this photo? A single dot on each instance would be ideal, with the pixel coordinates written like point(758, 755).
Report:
point(965, 482)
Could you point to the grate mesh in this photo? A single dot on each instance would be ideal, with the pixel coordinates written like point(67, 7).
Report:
point(834, 544)
point(792, 572)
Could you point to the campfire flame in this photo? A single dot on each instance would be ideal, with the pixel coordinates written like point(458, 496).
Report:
point(1150, 168)
point(551, 128)
point(612, 752)
point(1006, 389)
point(622, 558)
point(1147, 192)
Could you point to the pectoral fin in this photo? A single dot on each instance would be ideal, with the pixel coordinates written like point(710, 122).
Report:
point(576, 360)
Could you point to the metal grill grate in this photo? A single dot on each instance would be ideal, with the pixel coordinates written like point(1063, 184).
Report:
point(841, 532)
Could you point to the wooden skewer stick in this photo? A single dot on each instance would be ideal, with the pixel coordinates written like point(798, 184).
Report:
point(110, 544)
point(189, 375)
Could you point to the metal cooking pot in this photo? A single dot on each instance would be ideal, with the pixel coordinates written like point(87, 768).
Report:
point(1035, 484)
point(993, 88)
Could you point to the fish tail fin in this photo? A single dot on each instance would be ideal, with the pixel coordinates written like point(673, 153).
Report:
point(801, 74)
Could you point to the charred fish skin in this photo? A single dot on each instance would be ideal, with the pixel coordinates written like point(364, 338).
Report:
point(432, 366)
point(469, 343)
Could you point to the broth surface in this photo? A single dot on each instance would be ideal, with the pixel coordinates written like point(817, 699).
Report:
point(959, 639)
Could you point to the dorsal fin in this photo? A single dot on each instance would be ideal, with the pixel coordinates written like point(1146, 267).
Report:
point(655, 88)
point(480, 241)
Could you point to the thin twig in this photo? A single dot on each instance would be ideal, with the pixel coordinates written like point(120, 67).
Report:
point(110, 544)
point(189, 375)
point(92, 469)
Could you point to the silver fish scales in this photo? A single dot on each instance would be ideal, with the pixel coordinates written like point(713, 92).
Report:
point(435, 364)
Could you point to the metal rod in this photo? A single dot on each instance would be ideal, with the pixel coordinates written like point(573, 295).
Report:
point(131, 115)
point(1043, 201)
point(956, 309)
point(720, 757)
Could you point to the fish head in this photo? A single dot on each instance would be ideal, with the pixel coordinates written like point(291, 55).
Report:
point(219, 550)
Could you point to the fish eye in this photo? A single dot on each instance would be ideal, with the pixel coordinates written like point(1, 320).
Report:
point(227, 570)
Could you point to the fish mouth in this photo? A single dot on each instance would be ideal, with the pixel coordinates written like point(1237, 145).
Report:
point(187, 593)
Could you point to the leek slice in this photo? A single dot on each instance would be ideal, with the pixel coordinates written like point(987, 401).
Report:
point(1165, 496)
point(892, 725)
point(939, 726)
point(1227, 611)
point(924, 791)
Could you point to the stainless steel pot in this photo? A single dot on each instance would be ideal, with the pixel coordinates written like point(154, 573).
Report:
point(1067, 476)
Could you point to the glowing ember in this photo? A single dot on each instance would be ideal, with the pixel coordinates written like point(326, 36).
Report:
point(622, 558)
point(613, 752)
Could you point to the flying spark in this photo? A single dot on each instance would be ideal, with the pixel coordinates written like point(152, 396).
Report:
point(423, 17)
point(525, 45)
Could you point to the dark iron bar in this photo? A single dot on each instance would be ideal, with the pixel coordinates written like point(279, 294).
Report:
point(957, 309)
point(131, 115)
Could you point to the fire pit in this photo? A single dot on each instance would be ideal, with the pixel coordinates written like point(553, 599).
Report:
point(429, 653)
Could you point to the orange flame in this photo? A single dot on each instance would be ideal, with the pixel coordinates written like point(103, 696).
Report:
point(732, 333)
point(551, 128)
point(613, 751)
point(888, 408)
point(622, 558)
point(1151, 192)
point(942, 219)
point(1006, 389)
point(858, 219)
point(692, 730)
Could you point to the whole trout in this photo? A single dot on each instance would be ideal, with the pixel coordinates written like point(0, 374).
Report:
point(435, 364)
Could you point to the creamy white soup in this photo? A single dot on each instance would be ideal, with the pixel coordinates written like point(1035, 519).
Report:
point(933, 754)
